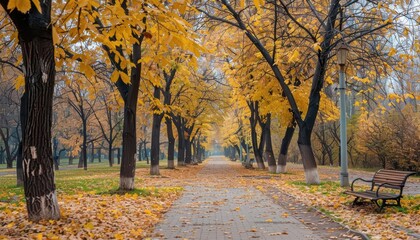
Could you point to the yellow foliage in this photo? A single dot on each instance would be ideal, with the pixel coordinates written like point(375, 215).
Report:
point(21, 5)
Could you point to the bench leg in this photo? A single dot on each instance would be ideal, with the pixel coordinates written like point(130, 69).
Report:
point(355, 202)
point(380, 206)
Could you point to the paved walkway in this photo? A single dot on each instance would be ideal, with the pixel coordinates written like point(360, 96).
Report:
point(216, 209)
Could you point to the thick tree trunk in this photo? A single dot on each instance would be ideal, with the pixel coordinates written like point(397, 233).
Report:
point(308, 158)
point(38, 58)
point(171, 144)
point(128, 163)
point(281, 167)
point(155, 145)
point(271, 160)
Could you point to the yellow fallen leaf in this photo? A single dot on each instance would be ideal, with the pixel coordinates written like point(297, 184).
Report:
point(39, 236)
point(118, 236)
point(147, 211)
point(10, 225)
point(88, 226)
point(269, 220)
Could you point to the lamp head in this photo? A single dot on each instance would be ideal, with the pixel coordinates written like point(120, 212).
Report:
point(342, 52)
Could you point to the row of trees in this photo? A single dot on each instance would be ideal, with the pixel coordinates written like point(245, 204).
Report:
point(279, 67)
point(96, 59)
point(285, 57)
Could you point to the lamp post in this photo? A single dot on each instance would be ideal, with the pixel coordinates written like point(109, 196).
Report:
point(341, 60)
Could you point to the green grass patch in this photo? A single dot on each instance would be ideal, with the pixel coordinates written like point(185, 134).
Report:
point(98, 179)
point(324, 187)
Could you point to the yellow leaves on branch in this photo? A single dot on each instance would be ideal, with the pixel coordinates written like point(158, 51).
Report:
point(392, 52)
point(294, 57)
point(118, 74)
point(23, 5)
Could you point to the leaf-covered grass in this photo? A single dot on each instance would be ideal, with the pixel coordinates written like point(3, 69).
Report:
point(91, 204)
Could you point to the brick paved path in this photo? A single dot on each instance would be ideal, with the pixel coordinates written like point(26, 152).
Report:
point(215, 209)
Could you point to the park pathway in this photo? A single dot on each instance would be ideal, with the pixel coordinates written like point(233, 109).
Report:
point(216, 207)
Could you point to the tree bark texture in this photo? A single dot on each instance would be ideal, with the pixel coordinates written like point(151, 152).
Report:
point(130, 96)
point(35, 39)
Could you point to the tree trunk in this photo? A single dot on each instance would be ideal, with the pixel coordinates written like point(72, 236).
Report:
point(110, 155)
point(281, 167)
point(71, 159)
point(119, 155)
point(83, 150)
point(271, 160)
point(130, 95)
point(181, 146)
point(188, 152)
point(5, 138)
point(308, 158)
point(145, 152)
point(140, 152)
point(171, 143)
point(35, 39)
point(155, 145)
point(99, 154)
point(92, 159)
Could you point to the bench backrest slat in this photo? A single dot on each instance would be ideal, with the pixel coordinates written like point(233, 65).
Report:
point(393, 177)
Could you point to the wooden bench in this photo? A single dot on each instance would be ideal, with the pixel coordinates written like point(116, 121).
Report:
point(381, 183)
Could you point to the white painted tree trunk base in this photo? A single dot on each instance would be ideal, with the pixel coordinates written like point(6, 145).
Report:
point(272, 169)
point(281, 169)
point(311, 176)
point(154, 170)
point(171, 164)
point(48, 207)
point(260, 165)
point(126, 183)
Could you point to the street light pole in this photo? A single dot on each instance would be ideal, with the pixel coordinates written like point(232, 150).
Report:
point(342, 57)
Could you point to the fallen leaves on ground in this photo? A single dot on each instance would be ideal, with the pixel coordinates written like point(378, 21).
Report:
point(328, 197)
point(102, 213)
point(90, 216)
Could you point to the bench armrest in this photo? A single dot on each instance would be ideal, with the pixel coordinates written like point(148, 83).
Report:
point(361, 179)
point(385, 185)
